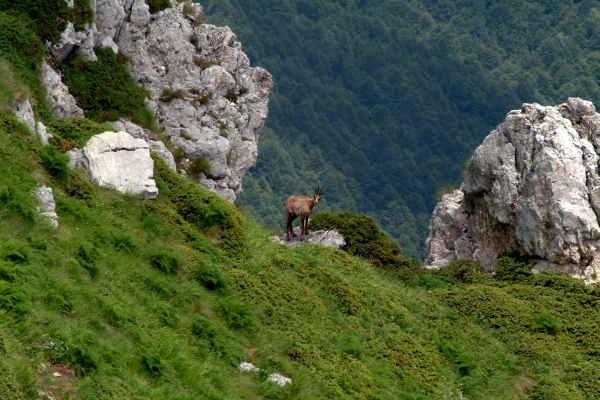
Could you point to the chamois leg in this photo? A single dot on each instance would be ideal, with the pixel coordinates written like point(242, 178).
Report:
point(288, 226)
point(302, 222)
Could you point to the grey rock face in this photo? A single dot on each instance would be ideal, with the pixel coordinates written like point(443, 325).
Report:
point(159, 148)
point(219, 102)
point(531, 187)
point(71, 40)
point(118, 160)
point(203, 92)
point(330, 238)
point(62, 104)
point(24, 114)
point(47, 207)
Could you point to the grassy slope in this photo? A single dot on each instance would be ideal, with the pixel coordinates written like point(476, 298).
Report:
point(157, 299)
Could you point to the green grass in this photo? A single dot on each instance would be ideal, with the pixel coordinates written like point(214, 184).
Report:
point(105, 90)
point(163, 298)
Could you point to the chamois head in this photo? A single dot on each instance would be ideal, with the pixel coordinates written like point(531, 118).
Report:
point(318, 194)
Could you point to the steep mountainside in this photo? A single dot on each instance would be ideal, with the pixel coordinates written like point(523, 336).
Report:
point(383, 101)
point(109, 295)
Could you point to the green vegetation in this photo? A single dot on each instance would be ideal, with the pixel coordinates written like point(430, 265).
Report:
point(75, 131)
point(105, 90)
point(162, 299)
point(382, 101)
point(363, 236)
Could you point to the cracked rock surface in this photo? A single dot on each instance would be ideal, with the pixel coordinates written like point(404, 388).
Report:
point(118, 160)
point(206, 97)
point(532, 187)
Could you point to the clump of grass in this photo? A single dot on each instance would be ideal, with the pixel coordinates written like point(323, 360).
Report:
point(206, 98)
point(158, 5)
point(445, 190)
point(169, 95)
point(199, 166)
point(167, 260)
point(231, 95)
point(11, 90)
point(202, 63)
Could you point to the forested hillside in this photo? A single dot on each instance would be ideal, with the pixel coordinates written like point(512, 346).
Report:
point(383, 101)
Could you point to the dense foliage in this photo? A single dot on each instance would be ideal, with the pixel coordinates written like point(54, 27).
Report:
point(382, 101)
point(363, 237)
point(105, 89)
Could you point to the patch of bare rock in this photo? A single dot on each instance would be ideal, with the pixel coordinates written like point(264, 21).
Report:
point(533, 188)
point(330, 238)
point(118, 160)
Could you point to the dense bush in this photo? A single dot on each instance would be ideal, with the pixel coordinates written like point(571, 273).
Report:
point(105, 90)
point(512, 268)
point(75, 131)
point(55, 162)
point(363, 237)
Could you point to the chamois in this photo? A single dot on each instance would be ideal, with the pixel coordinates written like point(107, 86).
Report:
point(300, 206)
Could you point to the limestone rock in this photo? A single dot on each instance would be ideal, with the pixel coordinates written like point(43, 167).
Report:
point(221, 102)
point(208, 100)
point(532, 187)
point(330, 238)
point(159, 148)
point(71, 40)
point(42, 133)
point(24, 113)
point(118, 160)
point(62, 104)
point(47, 207)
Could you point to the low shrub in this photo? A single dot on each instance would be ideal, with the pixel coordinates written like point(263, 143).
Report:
point(545, 323)
point(105, 89)
point(459, 271)
point(79, 187)
point(198, 206)
point(512, 268)
point(167, 260)
point(75, 131)
point(363, 236)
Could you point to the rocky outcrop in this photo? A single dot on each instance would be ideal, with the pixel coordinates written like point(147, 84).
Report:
point(208, 100)
point(61, 103)
point(24, 113)
point(330, 238)
point(47, 207)
point(532, 187)
point(116, 159)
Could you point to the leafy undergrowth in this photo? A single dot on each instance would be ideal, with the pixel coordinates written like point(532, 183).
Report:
point(161, 299)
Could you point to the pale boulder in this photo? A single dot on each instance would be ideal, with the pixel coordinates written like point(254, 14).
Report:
point(117, 159)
